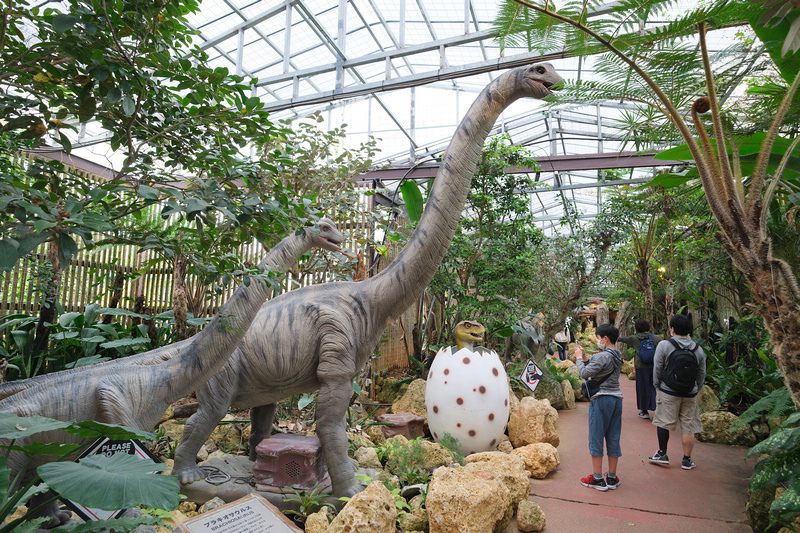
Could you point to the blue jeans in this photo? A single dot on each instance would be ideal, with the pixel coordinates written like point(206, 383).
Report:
point(605, 423)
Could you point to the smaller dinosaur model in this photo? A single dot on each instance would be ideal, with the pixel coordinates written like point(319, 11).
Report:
point(467, 333)
point(135, 391)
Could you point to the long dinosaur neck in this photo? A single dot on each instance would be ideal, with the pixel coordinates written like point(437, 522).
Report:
point(212, 347)
point(412, 270)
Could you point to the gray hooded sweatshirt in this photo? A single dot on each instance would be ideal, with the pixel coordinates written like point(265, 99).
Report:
point(601, 364)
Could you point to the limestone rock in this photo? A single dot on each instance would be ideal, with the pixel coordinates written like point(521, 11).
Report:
point(569, 394)
point(459, 501)
point(173, 430)
point(375, 434)
point(413, 401)
point(716, 428)
point(508, 469)
point(505, 446)
point(565, 365)
point(169, 414)
point(530, 516)
point(533, 421)
point(227, 437)
point(549, 389)
point(367, 457)
point(372, 510)
point(212, 504)
point(413, 521)
point(540, 458)
point(435, 455)
point(318, 522)
point(627, 368)
point(707, 399)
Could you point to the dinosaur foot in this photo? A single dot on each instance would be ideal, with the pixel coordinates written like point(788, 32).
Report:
point(189, 474)
point(56, 515)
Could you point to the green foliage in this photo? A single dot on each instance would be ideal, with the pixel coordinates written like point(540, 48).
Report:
point(742, 383)
point(780, 465)
point(310, 502)
point(776, 404)
point(491, 260)
point(77, 339)
point(451, 444)
point(560, 375)
point(114, 482)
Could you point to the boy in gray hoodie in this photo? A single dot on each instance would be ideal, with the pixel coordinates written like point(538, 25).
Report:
point(605, 408)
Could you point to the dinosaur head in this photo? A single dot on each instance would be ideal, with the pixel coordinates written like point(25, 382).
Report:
point(325, 235)
point(542, 79)
point(468, 333)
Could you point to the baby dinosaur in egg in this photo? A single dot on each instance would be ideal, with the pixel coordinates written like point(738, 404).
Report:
point(467, 394)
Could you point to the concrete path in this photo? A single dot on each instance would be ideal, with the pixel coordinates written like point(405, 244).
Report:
point(650, 498)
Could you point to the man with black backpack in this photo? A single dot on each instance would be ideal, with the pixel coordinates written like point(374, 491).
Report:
point(679, 369)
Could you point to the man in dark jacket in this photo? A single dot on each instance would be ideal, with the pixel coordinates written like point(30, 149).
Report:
point(605, 409)
point(673, 405)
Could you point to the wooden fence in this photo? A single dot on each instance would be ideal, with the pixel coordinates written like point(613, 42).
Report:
point(93, 275)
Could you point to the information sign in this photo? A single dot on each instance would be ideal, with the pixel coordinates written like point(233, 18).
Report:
point(531, 375)
point(251, 514)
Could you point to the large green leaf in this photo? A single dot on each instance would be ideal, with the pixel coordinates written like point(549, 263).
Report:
point(116, 482)
point(412, 197)
point(49, 448)
point(117, 524)
point(789, 501)
point(16, 427)
point(89, 429)
point(773, 39)
point(779, 466)
point(782, 439)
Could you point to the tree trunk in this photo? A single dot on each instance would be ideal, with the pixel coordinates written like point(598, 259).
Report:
point(621, 323)
point(602, 314)
point(179, 298)
point(47, 313)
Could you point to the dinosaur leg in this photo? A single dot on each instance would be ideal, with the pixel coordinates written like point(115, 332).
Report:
point(197, 430)
point(332, 402)
point(260, 426)
point(51, 510)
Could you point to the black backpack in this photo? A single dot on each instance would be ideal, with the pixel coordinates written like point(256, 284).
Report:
point(680, 372)
point(647, 350)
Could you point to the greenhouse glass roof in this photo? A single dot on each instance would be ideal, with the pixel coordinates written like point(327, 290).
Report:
point(405, 72)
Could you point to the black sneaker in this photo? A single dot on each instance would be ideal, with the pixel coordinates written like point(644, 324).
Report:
point(659, 458)
point(592, 483)
point(687, 463)
point(612, 482)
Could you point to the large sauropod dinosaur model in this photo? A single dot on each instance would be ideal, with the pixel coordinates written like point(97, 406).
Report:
point(135, 391)
point(318, 337)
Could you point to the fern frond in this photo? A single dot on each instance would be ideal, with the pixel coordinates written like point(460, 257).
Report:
point(777, 403)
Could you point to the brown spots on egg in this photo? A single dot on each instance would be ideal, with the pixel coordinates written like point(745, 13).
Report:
point(482, 389)
point(472, 433)
point(495, 372)
point(436, 409)
point(491, 416)
point(446, 371)
point(460, 401)
point(466, 360)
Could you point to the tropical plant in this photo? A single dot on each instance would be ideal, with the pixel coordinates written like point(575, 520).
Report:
point(176, 125)
point(309, 502)
point(105, 482)
point(739, 193)
point(780, 464)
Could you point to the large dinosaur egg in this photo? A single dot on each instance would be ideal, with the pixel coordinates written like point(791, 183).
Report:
point(467, 396)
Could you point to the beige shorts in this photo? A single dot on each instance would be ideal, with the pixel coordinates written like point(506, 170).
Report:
point(671, 409)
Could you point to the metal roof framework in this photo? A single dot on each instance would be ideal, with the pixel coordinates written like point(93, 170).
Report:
point(405, 72)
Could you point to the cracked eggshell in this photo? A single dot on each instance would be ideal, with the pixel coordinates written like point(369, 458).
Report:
point(467, 396)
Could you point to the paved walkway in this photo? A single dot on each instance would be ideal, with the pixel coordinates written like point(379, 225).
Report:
point(651, 498)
